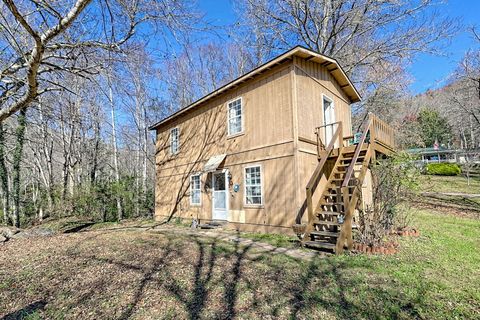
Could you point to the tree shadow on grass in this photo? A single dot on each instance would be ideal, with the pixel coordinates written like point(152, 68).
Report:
point(321, 284)
point(26, 311)
point(146, 278)
point(335, 287)
point(216, 273)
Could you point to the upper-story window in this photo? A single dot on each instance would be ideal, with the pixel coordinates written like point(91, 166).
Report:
point(174, 140)
point(235, 115)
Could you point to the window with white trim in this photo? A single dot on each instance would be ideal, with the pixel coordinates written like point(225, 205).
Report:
point(195, 190)
point(174, 140)
point(235, 114)
point(253, 185)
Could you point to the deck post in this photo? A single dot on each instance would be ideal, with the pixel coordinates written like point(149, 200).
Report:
point(348, 218)
point(373, 137)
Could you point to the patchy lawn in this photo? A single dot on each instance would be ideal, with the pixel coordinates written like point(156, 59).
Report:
point(451, 195)
point(144, 275)
point(449, 184)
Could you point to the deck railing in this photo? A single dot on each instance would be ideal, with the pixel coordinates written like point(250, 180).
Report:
point(342, 141)
point(382, 132)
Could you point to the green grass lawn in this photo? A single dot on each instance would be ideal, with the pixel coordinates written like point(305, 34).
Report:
point(459, 204)
point(143, 275)
point(449, 184)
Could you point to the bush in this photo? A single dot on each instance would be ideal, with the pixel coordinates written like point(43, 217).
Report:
point(443, 169)
point(395, 182)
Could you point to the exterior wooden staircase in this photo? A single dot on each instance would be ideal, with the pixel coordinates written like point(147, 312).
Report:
point(337, 181)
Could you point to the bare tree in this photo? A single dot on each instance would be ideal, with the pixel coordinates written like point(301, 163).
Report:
point(202, 69)
point(41, 39)
point(53, 54)
point(373, 40)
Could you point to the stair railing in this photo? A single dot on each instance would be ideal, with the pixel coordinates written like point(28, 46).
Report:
point(321, 147)
point(350, 202)
point(358, 149)
point(317, 174)
point(350, 198)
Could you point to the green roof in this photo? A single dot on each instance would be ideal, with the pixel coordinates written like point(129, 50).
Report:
point(429, 150)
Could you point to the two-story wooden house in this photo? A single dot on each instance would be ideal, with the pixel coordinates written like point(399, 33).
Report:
point(270, 150)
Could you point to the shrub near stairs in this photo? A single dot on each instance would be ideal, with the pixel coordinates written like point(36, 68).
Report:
point(443, 169)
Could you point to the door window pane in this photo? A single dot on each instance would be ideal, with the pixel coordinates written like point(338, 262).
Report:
point(220, 200)
point(219, 181)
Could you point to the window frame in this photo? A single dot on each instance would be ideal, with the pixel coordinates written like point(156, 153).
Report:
point(262, 199)
point(330, 100)
point(174, 152)
point(242, 123)
point(199, 175)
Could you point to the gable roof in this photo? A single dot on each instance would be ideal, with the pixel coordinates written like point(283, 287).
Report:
point(330, 64)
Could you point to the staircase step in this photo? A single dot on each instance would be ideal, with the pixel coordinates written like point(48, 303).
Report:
point(325, 233)
point(353, 152)
point(350, 158)
point(332, 195)
point(325, 222)
point(320, 245)
point(335, 187)
point(328, 213)
point(345, 167)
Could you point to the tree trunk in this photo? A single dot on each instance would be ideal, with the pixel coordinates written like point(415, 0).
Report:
point(4, 178)
point(115, 154)
point(47, 150)
point(93, 170)
point(139, 151)
point(17, 159)
point(145, 158)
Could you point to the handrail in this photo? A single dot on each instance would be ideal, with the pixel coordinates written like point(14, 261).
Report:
point(320, 144)
point(328, 124)
point(312, 183)
point(350, 204)
point(358, 148)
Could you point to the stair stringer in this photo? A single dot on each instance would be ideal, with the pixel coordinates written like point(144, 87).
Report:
point(350, 203)
point(310, 226)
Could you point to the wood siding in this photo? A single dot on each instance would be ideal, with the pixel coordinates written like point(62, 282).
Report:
point(267, 140)
point(280, 106)
point(312, 82)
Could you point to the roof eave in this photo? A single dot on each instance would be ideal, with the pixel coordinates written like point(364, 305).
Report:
point(354, 97)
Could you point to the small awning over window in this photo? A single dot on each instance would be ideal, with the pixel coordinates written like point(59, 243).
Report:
point(213, 163)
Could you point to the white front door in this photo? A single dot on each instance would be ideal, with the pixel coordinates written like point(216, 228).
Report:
point(219, 196)
point(328, 118)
